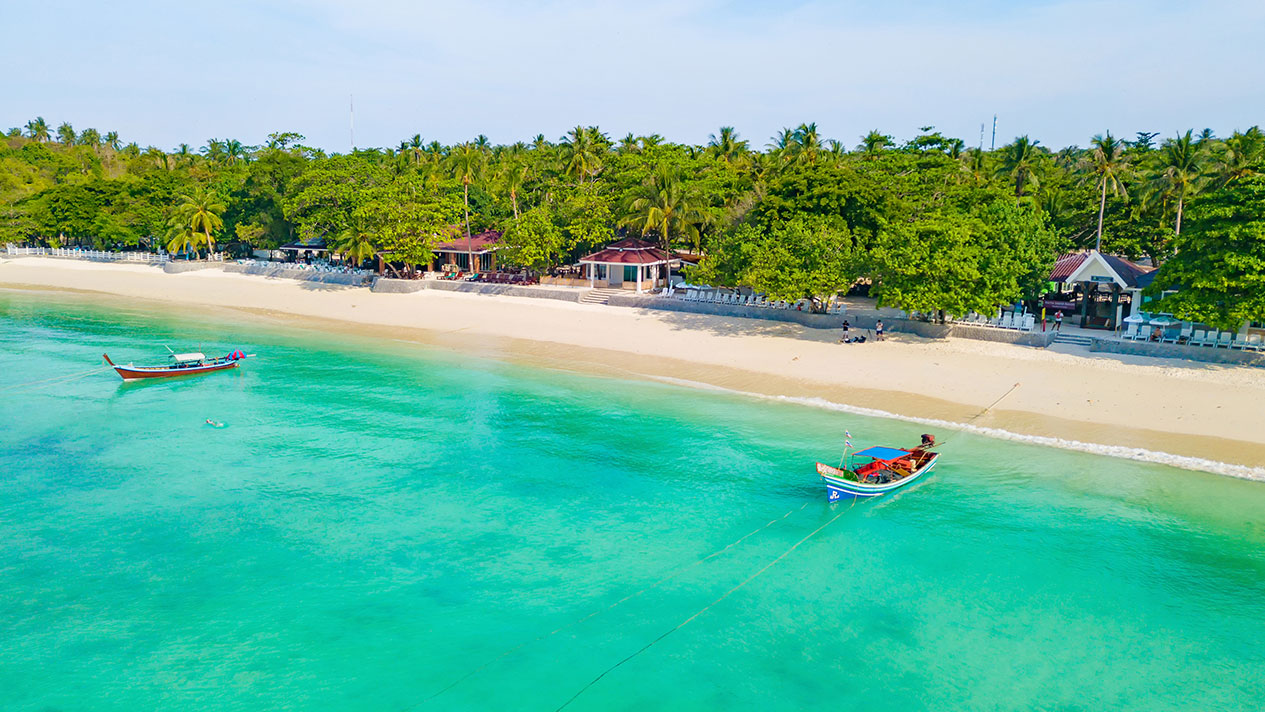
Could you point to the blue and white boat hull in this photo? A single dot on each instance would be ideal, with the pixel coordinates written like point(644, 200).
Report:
point(838, 487)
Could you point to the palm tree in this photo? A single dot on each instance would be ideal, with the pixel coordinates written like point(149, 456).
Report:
point(467, 163)
point(874, 142)
point(90, 137)
point(807, 142)
point(414, 146)
point(37, 129)
point(66, 134)
point(1109, 164)
point(183, 152)
point(183, 239)
point(628, 144)
point(213, 150)
point(649, 142)
point(726, 145)
point(199, 214)
point(665, 205)
point(582, 155)
point(482, 143)
point(1019, 161)
point(1243, 152)
point(513, 174)
point(782, 141)
point(539, 143)
point(112, 140)
point(233, 150)
point(355, 243)
point(1180, 159)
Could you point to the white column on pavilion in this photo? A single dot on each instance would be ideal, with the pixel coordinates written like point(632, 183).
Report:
point(639, 268)
point(592, 274)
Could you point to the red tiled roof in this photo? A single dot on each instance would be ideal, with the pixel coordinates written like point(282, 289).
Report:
point(629, 251)
point(483, 242)
point(1065, 265)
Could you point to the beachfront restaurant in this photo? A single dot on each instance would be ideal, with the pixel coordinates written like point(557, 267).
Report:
point(628, 264)
point(304, 250)
point(1097, 291)
point(458, 252)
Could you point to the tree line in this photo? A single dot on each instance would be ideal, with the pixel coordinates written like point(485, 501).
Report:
point(929, 224)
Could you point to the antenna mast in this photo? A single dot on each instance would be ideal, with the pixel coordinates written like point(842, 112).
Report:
point(993, 146)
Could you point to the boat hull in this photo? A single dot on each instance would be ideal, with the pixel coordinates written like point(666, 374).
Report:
point(838, 487)
point(137, 373)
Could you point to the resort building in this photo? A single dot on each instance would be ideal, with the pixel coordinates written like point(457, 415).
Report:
point(1102, 289)
point(628, 264)
point(302, 250)
point(457, 252)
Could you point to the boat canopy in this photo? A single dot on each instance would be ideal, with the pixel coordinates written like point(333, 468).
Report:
point(188, 357)
point(879, 452)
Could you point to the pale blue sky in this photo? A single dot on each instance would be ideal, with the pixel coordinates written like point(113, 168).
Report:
point(1059, 70)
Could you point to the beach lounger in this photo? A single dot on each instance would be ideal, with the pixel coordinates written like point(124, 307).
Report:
point(1199, 339)
point(1253, 343)
point(1223, 339)
point(1130, 333)
point(1029, 321)
point(1184, 336)
point(1240, 342)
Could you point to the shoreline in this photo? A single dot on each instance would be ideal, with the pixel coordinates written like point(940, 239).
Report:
point(1195, 416)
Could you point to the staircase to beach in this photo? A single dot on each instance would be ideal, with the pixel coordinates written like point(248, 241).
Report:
point(1065, 338)
point(599, 296)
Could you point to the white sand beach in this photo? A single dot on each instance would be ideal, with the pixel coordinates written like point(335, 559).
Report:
point(1189, 409)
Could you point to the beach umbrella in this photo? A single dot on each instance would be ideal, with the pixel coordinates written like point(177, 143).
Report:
point(1162, 321)
point(1134, 319)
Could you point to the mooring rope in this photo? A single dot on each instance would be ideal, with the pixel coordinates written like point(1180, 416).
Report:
point(625, 599)
point(975, 417)
point(58, 379)
point(703, 610)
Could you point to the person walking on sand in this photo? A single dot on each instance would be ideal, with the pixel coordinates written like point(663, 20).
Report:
point(878, 330)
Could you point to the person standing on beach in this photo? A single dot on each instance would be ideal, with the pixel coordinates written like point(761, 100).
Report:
point(878, 330)
point(1058, 321)
point(844, 339)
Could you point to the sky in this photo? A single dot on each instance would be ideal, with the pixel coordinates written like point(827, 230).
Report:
point(1060, 71)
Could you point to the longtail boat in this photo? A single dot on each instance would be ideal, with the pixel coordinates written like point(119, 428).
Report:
point(877, 470)
point(179, 365)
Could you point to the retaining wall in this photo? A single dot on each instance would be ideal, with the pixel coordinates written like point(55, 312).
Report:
point(277, 272)
point(815, 321)
point(979, 333)
point(189, 266)
point(403, 286)
point(1182, 351)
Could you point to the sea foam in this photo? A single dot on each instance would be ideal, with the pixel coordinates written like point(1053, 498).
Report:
point(1185, 462)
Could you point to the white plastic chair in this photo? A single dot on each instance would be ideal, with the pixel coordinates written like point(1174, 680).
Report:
point(1029, 321)
point(1223, 339)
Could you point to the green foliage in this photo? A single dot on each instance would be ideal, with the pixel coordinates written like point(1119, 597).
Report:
point(935, 224)
point(1219, 267)
point(802, 257)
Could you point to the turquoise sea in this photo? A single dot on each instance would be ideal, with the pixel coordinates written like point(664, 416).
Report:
point(378, 520)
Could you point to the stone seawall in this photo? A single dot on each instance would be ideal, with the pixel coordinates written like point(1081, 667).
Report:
point(814, 321)
point(189, 266)
point(979, 333)
point(277, 272)
point(1193, 353)
point(404, 286)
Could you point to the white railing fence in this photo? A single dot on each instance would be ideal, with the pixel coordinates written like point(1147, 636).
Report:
point(81, 254)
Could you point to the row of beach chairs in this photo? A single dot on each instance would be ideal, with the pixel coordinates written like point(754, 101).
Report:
point(752, 300)
point(1198, 337)
point(1020, 322)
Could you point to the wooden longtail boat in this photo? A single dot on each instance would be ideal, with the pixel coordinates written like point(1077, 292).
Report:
point(881, 470)
point(181, 365)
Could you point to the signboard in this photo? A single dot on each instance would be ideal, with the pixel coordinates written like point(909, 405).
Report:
point(1102, 279)
point(1055, 304)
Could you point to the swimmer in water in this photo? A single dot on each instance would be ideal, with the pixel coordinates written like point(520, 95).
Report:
point(214, 424)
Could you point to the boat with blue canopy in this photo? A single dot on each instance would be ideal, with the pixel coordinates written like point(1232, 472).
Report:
point(877, 470)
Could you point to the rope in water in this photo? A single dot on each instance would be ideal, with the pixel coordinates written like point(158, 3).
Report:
point(57, 379)
point(975, 417)
point(625, 599)
point(706, 608)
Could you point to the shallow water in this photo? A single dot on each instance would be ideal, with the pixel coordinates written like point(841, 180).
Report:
point(377, 520)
